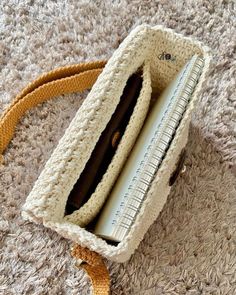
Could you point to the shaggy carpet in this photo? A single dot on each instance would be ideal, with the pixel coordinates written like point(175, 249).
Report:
point(191, 248)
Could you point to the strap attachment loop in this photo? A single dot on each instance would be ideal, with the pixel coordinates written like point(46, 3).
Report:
point(95, 267)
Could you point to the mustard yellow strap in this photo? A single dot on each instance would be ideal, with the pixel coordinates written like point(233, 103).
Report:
point(64, 80)
point(95, 268)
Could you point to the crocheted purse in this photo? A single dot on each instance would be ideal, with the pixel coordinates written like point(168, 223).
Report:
point(160, 53)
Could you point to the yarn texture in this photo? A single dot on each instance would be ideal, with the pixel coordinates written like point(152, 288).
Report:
point(143, 47)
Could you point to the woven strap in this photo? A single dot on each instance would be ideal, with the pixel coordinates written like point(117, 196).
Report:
point(63, 80)
point(95, 267)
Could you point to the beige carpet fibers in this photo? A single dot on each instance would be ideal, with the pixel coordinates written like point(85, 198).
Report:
point(191, 248)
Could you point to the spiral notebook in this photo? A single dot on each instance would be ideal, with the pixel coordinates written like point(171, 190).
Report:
point(131, 188)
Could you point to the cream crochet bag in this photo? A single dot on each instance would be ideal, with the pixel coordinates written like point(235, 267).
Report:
point(145, 48)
